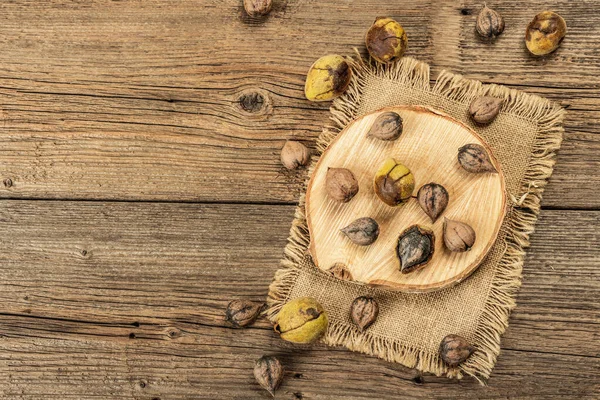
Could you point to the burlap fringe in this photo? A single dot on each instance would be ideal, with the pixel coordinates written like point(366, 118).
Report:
point(520, 223)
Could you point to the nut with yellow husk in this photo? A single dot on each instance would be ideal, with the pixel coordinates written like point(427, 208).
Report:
point(302, 320)
point(386, 40)
point(394, 183)
point(327, 78)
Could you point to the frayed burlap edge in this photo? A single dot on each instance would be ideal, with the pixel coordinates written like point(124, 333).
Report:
point(518, 225)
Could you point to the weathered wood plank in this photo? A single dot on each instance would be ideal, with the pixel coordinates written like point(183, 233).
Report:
point(99, 297)
point(140, 100)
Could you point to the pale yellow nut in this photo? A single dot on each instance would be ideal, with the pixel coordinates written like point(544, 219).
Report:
point(545, 33)
point(386, 40)
point(327, 78)
point(302, 320)
point(394, 183)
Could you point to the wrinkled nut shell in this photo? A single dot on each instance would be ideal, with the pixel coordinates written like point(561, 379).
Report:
point(341, 185)
point(257, 8)
point(545, 33)
point(433, 199)
point(458, 236)
point(455, 350)
point(415, 248)
point(489, 23)
point(363, 231)
point(394, 183)
point(387, 126)
point(294, 155)
point(268, 372)
point(340, 271)
point(474, 158)
point(241, 313)
point(302, 320)
point(327, 78)
point(485, 109)
point(386, 40)
point(364, 312)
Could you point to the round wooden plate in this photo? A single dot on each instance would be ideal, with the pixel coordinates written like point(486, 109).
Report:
point(429, 147)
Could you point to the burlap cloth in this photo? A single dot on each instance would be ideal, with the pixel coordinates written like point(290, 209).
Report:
point(524, 138)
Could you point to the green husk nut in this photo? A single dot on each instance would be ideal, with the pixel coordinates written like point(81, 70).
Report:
point(394, 183)
point(302, 320)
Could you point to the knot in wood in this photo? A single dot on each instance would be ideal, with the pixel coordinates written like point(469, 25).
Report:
point(251, 102)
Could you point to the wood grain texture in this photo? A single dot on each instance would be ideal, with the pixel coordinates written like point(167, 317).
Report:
point(192, 100)
point(475, 199)
point(127, 300)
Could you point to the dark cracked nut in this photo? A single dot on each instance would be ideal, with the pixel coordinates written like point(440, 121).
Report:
point(268, 372)
point(485, 109)
point(386, 40)
point(341, 185)
point(489, 23)
point(545, 33)
point(458, 236)
point(433, 199)
point(364, 312)
point(363, 231)
point(387, 126)
point(474, 158)
point(455, 349)
point(241, 313)
point(327, 78)
point(415, 248)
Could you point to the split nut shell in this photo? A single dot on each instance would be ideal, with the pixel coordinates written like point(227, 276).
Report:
point(327, 78)
point(302, 320)
point(386, 40)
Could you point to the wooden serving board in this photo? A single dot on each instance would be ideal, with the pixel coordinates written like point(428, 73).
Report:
point(429, 147)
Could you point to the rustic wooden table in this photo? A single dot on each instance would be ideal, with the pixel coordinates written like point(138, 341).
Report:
point(142, 190)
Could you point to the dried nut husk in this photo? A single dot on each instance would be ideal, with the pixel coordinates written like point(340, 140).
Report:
point(241, 313)
point(341, 184)
point(415, 248)
point(455, 349)
point(474, 158)
point(545, 33)
point(387, 126)
point(340, 271)
point(485, 109)
point(268, 372)
point(394, 183)
point(294, 155)
point(489, 23)
point(327, 78)
point(302, 320)
point(458, 236)
point(363, 231)
point(433, 199)
point(364, 311)
point(258, 8)
point(386, 40)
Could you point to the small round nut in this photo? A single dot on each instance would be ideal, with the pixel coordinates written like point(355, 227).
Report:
point(489, 23)
point(545, 33)
point(386, 40)
point(327, 78)
point(258, 8)
point(341, 184)
point(294, 155)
